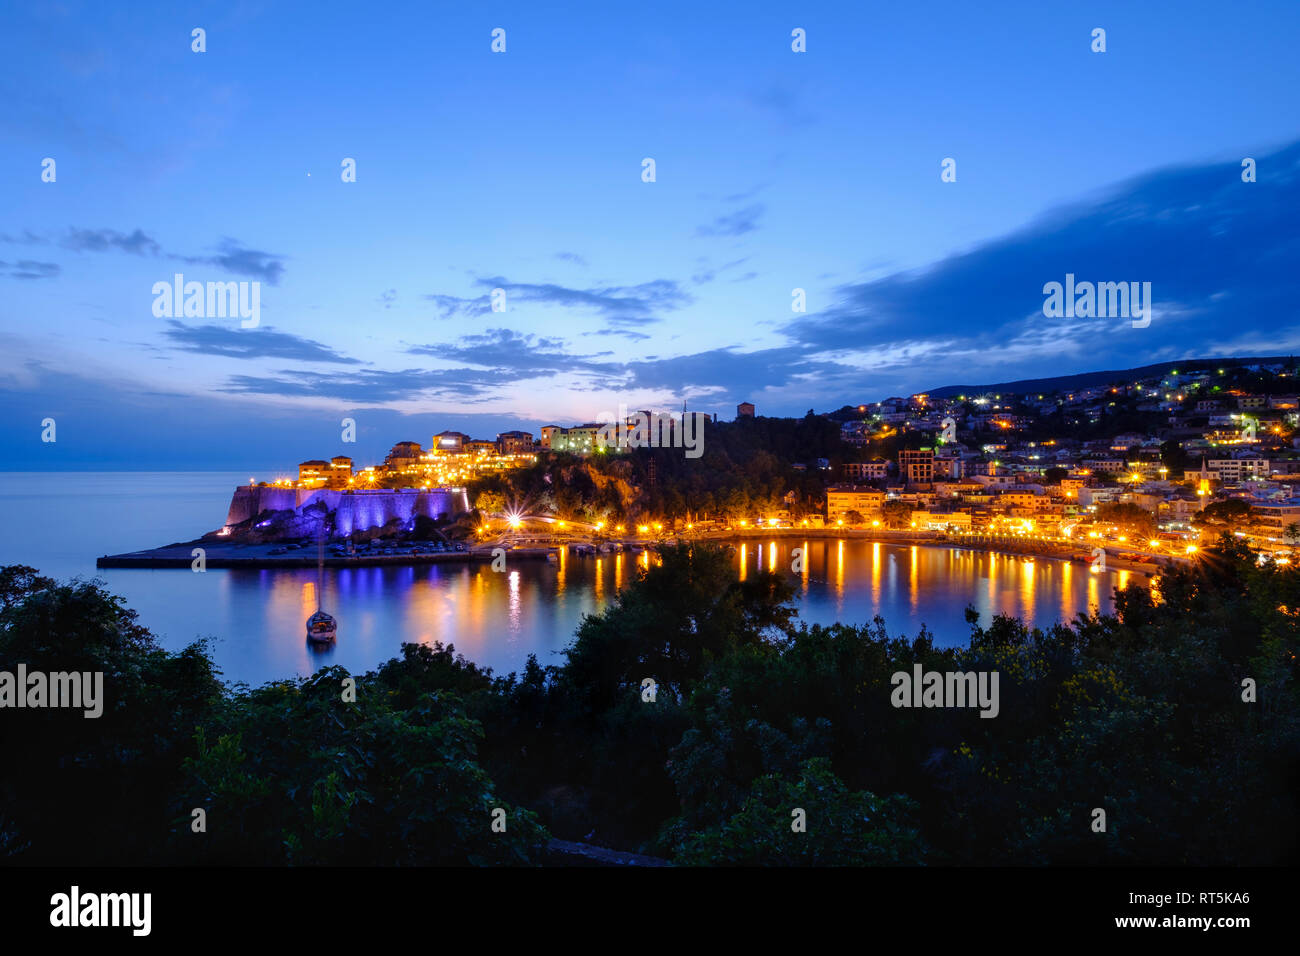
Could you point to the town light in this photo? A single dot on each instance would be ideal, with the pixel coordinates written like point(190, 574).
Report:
point(1191, 549)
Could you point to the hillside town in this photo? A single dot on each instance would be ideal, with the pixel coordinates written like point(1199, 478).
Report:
point(1153, 463)
point(1172, 457)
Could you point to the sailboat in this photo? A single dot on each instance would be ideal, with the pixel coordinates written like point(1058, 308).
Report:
point(320, 626)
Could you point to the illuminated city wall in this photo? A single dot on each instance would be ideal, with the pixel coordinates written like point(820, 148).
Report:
point(353, 510)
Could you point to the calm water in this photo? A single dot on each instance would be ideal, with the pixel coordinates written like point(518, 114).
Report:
point(60, 523)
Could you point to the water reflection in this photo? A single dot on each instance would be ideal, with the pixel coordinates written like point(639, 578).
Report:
point(498, 619)
point(1028, 576)
point(913, 588)
point(875, 573)
point(516, 622)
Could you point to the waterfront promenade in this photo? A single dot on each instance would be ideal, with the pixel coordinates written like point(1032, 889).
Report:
point(538, 545)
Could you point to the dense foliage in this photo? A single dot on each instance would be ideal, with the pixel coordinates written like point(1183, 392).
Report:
point(746, 471)
point(756, 721)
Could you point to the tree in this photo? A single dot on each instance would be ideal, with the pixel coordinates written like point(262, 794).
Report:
point(897, 514)
point(74, 768)
point(837, 827)
point(1128, 517)
point(1229, 514)
point(684, 611)
point(490, 501)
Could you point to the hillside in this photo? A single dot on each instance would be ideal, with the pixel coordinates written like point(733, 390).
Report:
point(1063, 383)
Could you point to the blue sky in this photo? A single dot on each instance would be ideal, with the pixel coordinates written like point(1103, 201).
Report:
point(522, 171)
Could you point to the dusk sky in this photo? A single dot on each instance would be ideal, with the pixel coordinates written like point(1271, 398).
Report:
point(522, 171)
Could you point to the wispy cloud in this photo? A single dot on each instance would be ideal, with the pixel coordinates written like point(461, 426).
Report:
point(103, 240)
point(29, 269)
point(230, 256)
point(507, 349)
point(233, 257)
point(28, 238)
point(622, 306)
point(706, 272)
point(375, 386)
point(735, 223)
point(263, 342)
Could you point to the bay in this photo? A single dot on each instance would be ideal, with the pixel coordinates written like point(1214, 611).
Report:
point(60, 522)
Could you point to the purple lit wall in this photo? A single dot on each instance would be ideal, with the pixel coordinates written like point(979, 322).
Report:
point(353, 510)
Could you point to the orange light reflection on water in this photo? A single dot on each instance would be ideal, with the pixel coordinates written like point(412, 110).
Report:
point(876, 569)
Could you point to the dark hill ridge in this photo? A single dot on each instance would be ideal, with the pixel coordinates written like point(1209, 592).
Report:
point(1065, 383)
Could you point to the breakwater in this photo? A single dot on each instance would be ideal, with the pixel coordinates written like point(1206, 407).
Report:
point(254, 556)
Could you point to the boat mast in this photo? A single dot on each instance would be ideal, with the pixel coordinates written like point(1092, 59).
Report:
point(320, 570)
